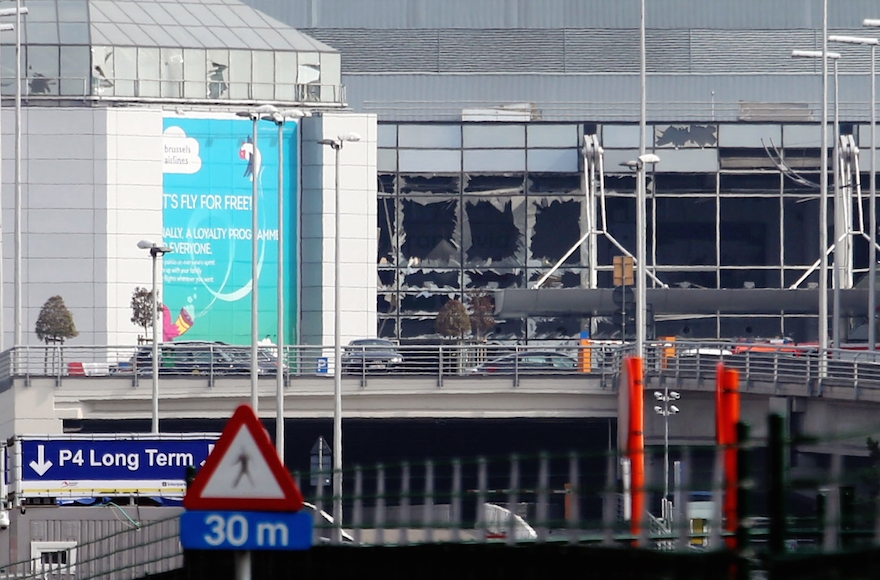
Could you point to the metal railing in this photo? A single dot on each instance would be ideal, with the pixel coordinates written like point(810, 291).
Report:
point(175, 90)
point(851, 371)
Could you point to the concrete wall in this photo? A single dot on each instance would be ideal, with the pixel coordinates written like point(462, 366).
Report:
point(357, 233)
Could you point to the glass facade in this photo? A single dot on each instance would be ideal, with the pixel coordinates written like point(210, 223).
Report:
point(472, 208)
point(189, 49)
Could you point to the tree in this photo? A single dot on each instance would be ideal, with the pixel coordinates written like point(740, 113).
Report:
point(482, 308)
point(142, 308)
point(55, 322)
point(453, 320)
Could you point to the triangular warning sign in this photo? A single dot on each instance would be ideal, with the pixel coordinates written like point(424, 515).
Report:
point(243, 472)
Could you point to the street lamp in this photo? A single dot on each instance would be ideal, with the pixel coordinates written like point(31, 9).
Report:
point(872, 205)
point(641, 249)
point(840, 228)
point(155, 251)
point(17, 283)
point(6, 27)
point(666, 410)
point(279, 118)
point(254, 115)
point(336, 145)
point(641, 195)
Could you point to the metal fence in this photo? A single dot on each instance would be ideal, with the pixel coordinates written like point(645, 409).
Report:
point(850, 371)
point(573, 499)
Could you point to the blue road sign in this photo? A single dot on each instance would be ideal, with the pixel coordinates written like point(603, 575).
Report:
point(321, 365)
point(81, 467)
point(240, 530)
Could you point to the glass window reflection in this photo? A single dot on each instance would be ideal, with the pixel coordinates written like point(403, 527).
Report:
point(42, 70)
point(148, 72)
point(264, 74)
point(103, 75)
point(74, 70)
point(218, 74)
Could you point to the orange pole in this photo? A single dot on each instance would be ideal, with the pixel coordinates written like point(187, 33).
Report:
point(730, 397)
point(636, 441)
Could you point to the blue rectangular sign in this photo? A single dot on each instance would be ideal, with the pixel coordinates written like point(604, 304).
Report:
point(222, 530)
point(69, 467)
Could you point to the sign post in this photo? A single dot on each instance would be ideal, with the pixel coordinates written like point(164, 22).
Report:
point(243, 498)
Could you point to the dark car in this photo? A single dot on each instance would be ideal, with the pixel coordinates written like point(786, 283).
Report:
point(202, 357)
point(371, 354)
point(528, 362)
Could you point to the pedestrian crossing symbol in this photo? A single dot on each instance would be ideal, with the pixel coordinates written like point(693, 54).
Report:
point(243, 472)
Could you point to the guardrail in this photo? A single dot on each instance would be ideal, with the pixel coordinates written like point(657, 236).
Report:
point(851, 368)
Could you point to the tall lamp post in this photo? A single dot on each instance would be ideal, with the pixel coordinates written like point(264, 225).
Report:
point(336, 145)
point(3, 28)
point(872, 299)
point(839, 227)
point(254, 115)
point(641, 250)
point(872, 205)
point(155, 252)
point(17, 283)
point(279, 119)
point(666, 410)
point(641, 198)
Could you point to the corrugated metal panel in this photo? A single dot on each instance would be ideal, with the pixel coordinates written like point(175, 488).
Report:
point(464, 50)
point(585, 98)
point(365, 51)
point(671, 14)
point(601, 51)
point(579, 50)
point(745, 50)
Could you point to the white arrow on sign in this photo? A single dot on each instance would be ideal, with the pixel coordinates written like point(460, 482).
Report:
point(41, 466)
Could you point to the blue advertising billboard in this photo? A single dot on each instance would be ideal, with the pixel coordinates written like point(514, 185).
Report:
point(210, 166)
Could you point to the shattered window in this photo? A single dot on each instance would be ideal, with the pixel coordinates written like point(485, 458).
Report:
point(431, 279)
point(685, 230)
point(504, 184)
point(493, 231)
point(560, 279)
point(428, 236)
point(430, 183)
point(555, 183)
point(493, 278)
point(387, 241)
point(558, 225)
point(683, 136)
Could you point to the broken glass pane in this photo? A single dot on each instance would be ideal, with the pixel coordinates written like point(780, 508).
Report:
point(430, 183)
point(387, 241)
point(561, 278)
point(557, 227)
point(492, 233)
point(430, 279)
point(493, 279)
point(679, 136)
point(428, 236)
point(504, 184)
point(750, 232)
point(555, 183)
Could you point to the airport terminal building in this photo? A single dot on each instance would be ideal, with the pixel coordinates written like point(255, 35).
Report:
point(476, 173)
point(482, 178)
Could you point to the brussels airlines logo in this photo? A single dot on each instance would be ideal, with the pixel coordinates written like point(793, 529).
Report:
point(251, 154)
point(181, 152)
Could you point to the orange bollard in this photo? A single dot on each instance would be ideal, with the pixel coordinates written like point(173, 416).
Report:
point(636, 441)
point(726, 418)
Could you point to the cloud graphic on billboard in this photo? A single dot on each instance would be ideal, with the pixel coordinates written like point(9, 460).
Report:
point(181, 152)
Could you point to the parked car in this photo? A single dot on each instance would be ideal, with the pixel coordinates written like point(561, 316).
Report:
point(528, 362)
point(371, 354)
point(195, 357)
